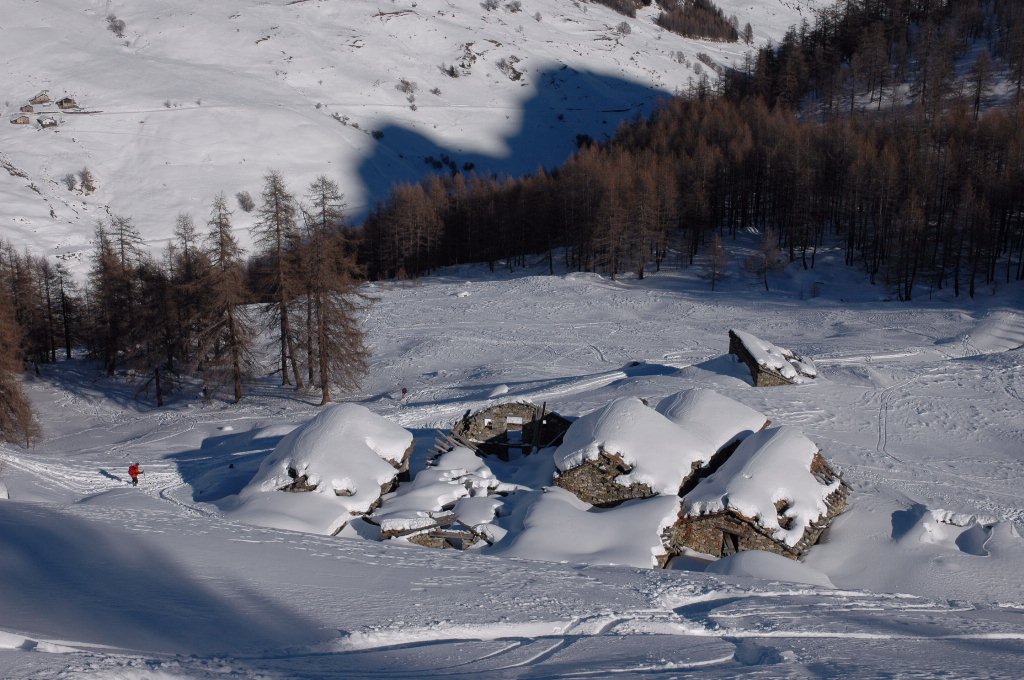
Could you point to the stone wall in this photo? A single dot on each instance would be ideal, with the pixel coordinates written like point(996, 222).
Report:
point(594, 482)
point(721, 534)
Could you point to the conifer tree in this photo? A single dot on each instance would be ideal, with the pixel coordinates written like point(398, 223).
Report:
point(339, 348)
point(276, 235)
point(227, 336)
point(18, 423)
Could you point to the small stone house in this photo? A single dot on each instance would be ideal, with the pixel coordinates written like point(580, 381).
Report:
point(41, 98)
point(776, 493)
point(628, 450)
point(47, 122)
point(511, 427)
point(27, 108)
point(21, 120)
point(770, 365)
point(67, 103)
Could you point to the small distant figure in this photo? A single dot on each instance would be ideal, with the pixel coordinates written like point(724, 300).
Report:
point(405, 393)
point(134, 471)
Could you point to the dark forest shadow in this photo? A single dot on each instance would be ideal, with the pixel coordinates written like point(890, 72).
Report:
point(567, 106)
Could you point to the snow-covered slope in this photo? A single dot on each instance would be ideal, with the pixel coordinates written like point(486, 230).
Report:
point(201, 98)
point(918, 405)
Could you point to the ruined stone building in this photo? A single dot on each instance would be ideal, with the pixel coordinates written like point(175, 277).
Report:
point(775, 493)
point(514, 427)
point(769, 364)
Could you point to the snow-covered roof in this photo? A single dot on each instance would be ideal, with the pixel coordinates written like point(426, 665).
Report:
point(457, 474)
point(788, 364)
point(660, 452)
point(561, 527)
point(711, 416)
point(346, 449)
point(768, 466)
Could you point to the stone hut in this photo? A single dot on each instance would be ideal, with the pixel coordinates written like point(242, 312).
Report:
point(67, 103)
point(511, 427)
point(27, 108)
point(41, 98)
point(775, 493)
point(627, 450)
point(769, 364)
point(47, 122)
point(21, 120)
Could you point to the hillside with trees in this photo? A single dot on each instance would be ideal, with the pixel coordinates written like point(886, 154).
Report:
point(895, 128)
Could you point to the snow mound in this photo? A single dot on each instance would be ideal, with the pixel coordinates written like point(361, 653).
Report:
point(342, 459)
point(769, 466)
point(768, 566)
point(458, 475)
point(558, 527)
point(660, 452)
point(711, 416)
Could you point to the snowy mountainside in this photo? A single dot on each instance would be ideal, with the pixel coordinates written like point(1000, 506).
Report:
point(197, 99)
point(918, 405)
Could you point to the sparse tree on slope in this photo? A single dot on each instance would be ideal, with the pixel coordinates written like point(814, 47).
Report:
point(227, 336)
point(276, 234)
point(17, 422)
point(338, 345)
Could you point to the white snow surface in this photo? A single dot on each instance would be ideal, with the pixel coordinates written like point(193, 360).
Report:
point(768, 567)
point(346, 451)
point(768, 466)
point(560, 527)
point(660, 452)
point(766, 354)
point(711, 416)
point(918, 405)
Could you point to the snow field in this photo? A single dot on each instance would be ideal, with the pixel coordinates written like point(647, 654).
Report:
point(924, 564)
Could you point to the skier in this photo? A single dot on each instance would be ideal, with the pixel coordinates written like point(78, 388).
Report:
point(134, 471)
point(405, 393)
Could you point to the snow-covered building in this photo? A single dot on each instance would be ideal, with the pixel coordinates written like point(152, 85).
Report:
point(47, 122)
point(334, 467)
point(67, 103)
point(627, 450)
point(775, 493)
point(769, 364)
point(41, 98)
point(21, 120)
point(449, 505)
point(501, 429)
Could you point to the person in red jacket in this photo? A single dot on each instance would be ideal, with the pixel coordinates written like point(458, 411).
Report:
point(134, 471)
